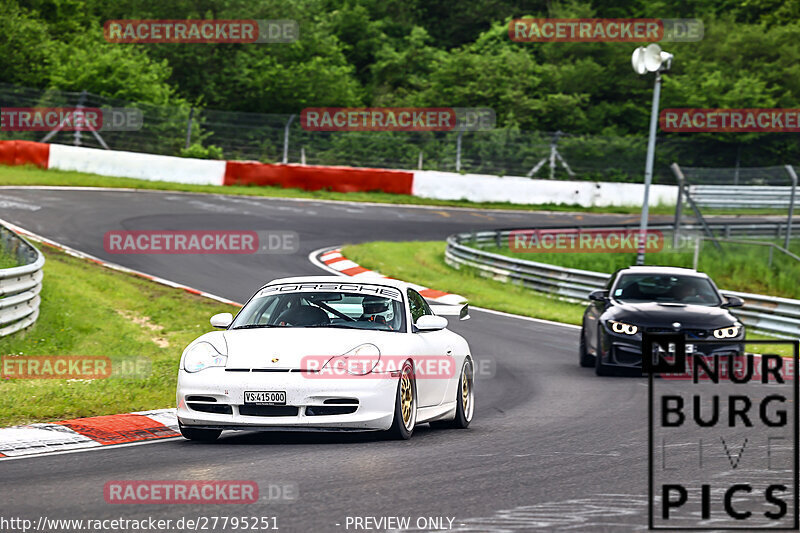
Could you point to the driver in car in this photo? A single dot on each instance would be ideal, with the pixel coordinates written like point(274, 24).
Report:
point(683, 292)
point(372, 309)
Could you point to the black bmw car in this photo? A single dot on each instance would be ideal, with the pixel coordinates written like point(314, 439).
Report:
point(655, 299)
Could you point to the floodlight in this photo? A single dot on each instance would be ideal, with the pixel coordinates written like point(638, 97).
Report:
point(637, 60)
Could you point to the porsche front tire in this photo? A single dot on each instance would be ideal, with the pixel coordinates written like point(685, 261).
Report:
point(201, 435)
point(405, 405)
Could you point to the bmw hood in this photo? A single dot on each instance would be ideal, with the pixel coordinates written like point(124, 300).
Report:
point(654, 314)
point(283, 348)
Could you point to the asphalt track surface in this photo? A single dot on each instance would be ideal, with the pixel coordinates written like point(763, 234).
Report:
point(552, 447)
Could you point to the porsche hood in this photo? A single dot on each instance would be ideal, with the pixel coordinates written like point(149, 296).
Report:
point(286, 347)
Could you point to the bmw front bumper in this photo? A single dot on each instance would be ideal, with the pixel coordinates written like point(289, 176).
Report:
point(626, 350)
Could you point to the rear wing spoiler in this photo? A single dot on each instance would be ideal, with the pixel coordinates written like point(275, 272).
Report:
point(461, 311)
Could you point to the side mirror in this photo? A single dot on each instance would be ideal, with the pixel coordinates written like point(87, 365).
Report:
point(222, 320)
point(461, 311)
point(598, 296)
point(733, 301)
point(431, 323)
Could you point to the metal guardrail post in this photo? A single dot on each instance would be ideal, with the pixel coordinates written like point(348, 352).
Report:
point(458, 150)
point(679, 204)
point(793, 176)
point(286, 139)
point(189, 128)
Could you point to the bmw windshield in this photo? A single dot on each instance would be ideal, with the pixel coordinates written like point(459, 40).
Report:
point(688, 290)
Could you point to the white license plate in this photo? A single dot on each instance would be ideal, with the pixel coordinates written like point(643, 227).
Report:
point(265, 397)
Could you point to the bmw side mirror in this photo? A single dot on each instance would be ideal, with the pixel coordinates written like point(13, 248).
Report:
point(733, 301)
point(431, 323)
point(598, 296)
point(222, 320)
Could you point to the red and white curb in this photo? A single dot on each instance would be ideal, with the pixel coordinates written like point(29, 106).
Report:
point(333, 261)
point(93, 432)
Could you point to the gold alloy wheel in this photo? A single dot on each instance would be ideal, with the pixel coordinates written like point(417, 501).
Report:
point(407, 400)
point(466, 392)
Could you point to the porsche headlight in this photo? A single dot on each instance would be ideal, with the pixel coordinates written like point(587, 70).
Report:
point(203, 355)
point(728, 333)
point(622, 327)
point(359, 361)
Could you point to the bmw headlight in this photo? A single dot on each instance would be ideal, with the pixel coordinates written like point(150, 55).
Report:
point(622, 327)
point(728, 333)
point(201, 356)
point(359, 361)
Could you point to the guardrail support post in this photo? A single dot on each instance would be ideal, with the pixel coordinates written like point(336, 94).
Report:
point(458, 151)
point(679, 205)
point(189, 128)
point(790, 170)
point(286, 140)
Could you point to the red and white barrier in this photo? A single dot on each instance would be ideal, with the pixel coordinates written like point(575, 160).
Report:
point(313, 178)
point(24, 153)
point(528, 191)
point(422, 183)
point(136, 165)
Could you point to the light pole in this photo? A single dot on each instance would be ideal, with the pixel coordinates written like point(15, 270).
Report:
point(649, 59)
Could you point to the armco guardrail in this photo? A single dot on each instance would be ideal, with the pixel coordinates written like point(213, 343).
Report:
point(741, 196)
point(19, 286)
point(766, 314)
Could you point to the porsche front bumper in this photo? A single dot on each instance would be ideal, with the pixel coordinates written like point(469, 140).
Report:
point(214, 398)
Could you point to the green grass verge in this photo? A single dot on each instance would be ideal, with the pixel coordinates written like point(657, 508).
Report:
point(737, 267)
point(7, 260)
point(28, 175)
point(423, 263)
point(90, 310)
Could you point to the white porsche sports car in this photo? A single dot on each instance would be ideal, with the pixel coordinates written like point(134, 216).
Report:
point(327, 353)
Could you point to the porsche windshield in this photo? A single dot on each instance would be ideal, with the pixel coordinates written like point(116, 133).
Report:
point(308, 309)
point(635, 288)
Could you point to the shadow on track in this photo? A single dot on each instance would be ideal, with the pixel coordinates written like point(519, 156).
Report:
point(283, 438)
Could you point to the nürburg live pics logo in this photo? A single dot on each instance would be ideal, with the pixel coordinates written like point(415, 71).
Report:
point(723, 433)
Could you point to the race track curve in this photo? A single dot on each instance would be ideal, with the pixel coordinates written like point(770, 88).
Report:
point(552, 446)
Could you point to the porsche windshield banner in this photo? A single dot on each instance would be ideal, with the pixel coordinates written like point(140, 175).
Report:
point(723, 434)
point(356, 288)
